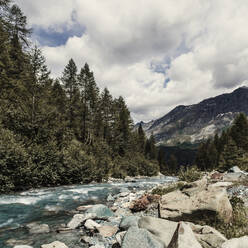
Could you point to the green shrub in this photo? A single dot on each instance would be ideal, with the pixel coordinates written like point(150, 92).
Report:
point(191, 174)
point(170, 188)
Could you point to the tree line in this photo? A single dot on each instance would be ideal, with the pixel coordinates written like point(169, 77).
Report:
point(227, 150)
point(59, 131)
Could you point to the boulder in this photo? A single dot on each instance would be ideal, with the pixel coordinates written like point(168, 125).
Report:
point(119, 237)
point(162, 229)
point(35, 228)
point(184, 237)
point(110, 198)
point(234, 177)
point(107, 231)
point(235, 169)
point(192, 202)
point(76, 221)
point(207, 236)
point(129, 221)
point(55, 244)
point(100, 211)
point(91, 224)
point(136, 237)
point(236, 243)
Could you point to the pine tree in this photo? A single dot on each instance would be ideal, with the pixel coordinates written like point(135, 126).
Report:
point(69, 80)
point(239, 131)
point(141, 138)
point(230, 155)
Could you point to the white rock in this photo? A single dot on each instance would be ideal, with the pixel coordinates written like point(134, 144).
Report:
point(55, 244)
point(22, 246)
point(76, 221)
point(35, 228)
point(236, 243)
point(91, 224)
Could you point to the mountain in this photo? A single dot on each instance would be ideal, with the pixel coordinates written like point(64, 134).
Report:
point(194, 123)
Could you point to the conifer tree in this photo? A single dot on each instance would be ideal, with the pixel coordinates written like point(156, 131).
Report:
point(69, 80)
point(141, 138)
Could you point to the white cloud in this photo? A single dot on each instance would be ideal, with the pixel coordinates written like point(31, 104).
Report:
point(125, 41)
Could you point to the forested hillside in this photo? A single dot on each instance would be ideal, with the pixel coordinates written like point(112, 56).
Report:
point(63, 131)
point(227, 150)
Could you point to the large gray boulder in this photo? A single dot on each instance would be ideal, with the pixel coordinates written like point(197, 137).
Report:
point(129, 221)
point(184, 237)
point(236, 243)
point(207, 236)
point(100, 211)
point(136, 237)
point(194, 199)
point(162, 229)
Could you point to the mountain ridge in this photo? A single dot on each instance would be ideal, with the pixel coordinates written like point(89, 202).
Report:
point(197, 122)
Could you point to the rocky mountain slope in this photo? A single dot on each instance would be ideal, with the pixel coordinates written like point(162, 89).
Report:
point(197, 122)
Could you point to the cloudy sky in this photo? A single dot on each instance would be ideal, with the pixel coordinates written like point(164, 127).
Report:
point(155, 53)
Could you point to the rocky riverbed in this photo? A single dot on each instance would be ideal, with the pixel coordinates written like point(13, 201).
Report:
point(133, 217)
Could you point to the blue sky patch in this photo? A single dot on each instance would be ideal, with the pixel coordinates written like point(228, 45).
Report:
point(52, 38)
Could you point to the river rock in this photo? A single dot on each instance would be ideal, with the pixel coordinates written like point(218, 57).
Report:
point(35, 228)
point(207, 236)
point(119, 237)
point(107, 231)
point(184, 237)
point(129, 221)
point(76, 221)
point(15, 242)
point(123, 212)
point(91, 224)
point(100, 211)
point(23, 246)
point(136, 237)
point(194, 200)
point(110, 198)
point(234, 177)
point(98, 246)
point(162, 229)
point(83, 208)
point(236, 243)
point(55, 244)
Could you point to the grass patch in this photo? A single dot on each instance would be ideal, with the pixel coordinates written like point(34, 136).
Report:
point(191, 174)
point(165, 190)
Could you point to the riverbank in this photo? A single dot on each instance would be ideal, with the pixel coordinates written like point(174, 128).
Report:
point(132, 217)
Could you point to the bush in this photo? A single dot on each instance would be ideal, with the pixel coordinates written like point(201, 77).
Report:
point(191, 174)
point(170, 188)
point(14, 162)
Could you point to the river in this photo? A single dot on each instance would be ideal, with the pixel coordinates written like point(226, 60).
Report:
point(55, 206)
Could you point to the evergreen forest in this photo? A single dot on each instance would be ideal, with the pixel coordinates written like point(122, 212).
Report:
point(60, 131)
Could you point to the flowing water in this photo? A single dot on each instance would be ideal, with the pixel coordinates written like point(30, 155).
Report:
point(54, 206)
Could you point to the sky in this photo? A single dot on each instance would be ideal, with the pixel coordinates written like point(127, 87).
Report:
point(157, 54)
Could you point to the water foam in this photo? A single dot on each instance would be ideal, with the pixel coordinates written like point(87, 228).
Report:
point(9, 221)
